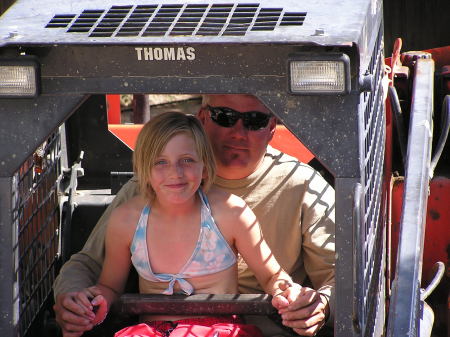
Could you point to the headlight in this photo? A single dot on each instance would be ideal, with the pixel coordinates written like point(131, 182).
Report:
point(328, 74)
point(18, 78)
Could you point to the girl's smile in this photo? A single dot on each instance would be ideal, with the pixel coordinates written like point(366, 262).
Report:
point(178, 171)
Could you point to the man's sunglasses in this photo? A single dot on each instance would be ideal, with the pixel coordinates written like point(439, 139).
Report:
point(227, 117)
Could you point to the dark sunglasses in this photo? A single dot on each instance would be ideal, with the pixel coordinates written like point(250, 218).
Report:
point(227, 117)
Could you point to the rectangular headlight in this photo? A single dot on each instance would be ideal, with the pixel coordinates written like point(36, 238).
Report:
point(18, 79)
point(313, 75)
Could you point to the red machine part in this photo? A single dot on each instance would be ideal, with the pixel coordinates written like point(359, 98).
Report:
point(113, 108)
point(437, 236)
point(437, 233)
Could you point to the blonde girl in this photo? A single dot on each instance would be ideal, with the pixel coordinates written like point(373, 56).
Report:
point(182, 234)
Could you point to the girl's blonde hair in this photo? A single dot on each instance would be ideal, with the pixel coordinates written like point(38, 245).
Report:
point(155, 135)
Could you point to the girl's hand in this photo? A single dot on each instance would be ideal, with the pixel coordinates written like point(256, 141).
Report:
point(289, 292)
point(307, 314)
point(100, 309)
point(93, 300)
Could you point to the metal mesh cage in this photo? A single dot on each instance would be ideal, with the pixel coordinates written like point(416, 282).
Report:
point(35, 219)
point(370, 234)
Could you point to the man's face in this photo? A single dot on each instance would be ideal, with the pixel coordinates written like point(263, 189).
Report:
point(238, 151)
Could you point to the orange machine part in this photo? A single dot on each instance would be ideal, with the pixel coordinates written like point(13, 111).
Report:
point(286, 142)
point(283, 139)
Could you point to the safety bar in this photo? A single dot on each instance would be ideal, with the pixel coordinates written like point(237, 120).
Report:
point(405, 308)
point(203, 304)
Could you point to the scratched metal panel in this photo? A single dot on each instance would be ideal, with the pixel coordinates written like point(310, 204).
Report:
point(325, 22)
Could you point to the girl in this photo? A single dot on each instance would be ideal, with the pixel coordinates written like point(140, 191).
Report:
point(182, 235)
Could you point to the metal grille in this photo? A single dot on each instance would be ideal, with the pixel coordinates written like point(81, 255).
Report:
point(111, 21)
point(293, 19)
point(85, 21)
point(189, 20)
point(241, 19)
point(35, 218)
point(136, 21)
point(162, 20)
point(370, 246)
point(60, 21)
point(267, 19)
point(177, 20)
point(215, 20)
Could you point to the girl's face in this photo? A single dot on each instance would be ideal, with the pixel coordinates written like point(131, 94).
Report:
point(178, 171)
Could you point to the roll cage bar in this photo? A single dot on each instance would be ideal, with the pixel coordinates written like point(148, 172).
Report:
point(85, 48)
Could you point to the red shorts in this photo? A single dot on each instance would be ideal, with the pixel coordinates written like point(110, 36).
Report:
point(193, 327)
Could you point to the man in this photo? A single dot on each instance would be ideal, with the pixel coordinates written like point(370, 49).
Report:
point(294, 204)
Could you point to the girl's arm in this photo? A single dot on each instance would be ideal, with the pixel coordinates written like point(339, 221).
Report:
point(301, 308)
point(251, 245)
point(117, 263)
point(115, 269)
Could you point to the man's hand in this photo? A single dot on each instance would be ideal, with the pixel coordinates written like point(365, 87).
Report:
point(307, 313)
point(73, 317)
point(75, 311)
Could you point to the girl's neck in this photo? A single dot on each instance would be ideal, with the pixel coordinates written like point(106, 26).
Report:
point(175, 210)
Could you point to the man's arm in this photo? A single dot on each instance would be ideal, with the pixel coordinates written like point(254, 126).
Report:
point(319, 239)
point(316, 307)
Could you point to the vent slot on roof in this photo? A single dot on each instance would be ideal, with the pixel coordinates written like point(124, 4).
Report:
point(60, 21)
point(162, 20)
point(267, 19)
point(193, 19)
point(137, 20)
point(215, 20)
point(189, 20)
point(293, 19)
point(112, 19)
point(85, 21)
point(242, 18)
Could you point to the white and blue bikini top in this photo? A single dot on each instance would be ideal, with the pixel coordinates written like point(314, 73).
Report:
point(211, 254)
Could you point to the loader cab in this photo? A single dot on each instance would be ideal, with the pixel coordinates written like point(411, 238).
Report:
point(316, 66)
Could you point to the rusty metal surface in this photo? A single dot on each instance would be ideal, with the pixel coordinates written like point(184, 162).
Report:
point(437, 234)
point(225, 304)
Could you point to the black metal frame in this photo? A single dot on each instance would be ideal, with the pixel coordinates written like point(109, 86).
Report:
point(36, 221)
point(336, 128)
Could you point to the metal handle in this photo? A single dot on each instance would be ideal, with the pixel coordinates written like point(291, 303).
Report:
point(424, 293)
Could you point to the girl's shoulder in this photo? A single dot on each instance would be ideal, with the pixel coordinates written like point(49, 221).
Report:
point(225, 205)
point(220, 198)
point(129, 212)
